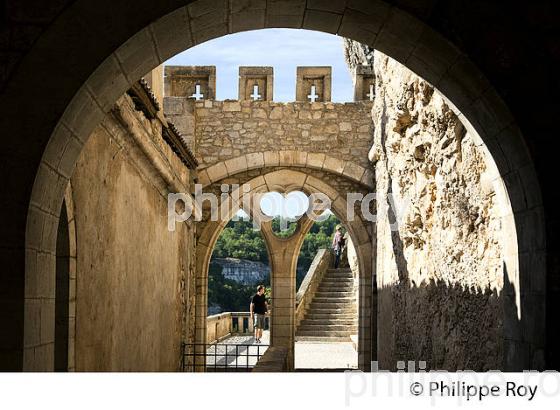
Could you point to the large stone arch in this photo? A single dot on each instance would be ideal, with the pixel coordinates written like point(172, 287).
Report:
point(256, 160)
point(65, 303)
point(62, 117)
point(287, 180)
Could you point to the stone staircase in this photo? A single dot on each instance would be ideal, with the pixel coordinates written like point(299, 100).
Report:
point(332, 315)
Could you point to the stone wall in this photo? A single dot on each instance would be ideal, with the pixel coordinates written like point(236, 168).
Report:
point(180, 111)
point(218, 327)
point(135, 286)
point(321, 262)
point(228, 129)
point(440, 275)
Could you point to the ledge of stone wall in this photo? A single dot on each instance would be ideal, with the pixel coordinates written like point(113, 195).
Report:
point(275, 359)
point(218, 327)
point(308, 287)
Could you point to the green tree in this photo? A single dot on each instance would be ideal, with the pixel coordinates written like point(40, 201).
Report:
point(240, 240)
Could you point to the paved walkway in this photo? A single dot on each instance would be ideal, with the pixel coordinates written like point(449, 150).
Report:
point(238, 350)
point(321, 355)
point(241, 350)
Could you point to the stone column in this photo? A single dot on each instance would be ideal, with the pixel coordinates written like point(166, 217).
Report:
point(283, 260)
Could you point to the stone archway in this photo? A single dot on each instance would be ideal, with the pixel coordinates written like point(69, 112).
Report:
point(174, 28)
point(257, 160)
point(65, 297)
point(285, 181)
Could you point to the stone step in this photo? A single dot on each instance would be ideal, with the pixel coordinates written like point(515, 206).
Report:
point(336, 285)
point(338, 282)
point(327, 317)
point(337, 279)
point(331, 312)
point(333, 293)
point(329, 321)
point(333, 299)
point(324, 327)
point(336, 293)
point(336, 290)
point(336, 270)
point(324, 339)
point(339, 270)
point(314, 315)
point(348, 284)
point(332, 305)
point(338, 275)
point(323, 333)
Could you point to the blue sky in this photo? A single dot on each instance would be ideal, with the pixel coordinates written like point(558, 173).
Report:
point(283, 49)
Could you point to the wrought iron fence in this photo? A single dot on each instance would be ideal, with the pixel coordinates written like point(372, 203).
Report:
point(221, 357)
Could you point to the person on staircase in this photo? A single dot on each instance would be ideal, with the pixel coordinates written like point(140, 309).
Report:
point(338, 244)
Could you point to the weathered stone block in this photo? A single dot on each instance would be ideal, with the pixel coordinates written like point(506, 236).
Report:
point(313, 84)
point(315, 160)
point(172, 33)
point(197, 82)
point(231, 106)
point(256, 84)
point(322, 21)
point(133, 57)
point(271, 159)
point(217, 172)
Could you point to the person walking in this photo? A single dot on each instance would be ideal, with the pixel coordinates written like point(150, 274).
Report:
point(258, 310)
point(338, 243)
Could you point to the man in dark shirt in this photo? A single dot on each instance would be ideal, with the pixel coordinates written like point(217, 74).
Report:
point(258, 310)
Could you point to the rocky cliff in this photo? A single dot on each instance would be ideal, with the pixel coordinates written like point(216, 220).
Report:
point(243, 271)
point(439, 257)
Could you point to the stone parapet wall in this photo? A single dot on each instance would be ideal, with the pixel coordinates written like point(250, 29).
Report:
point(218, 327)
point(321, 262)
point(228, 129)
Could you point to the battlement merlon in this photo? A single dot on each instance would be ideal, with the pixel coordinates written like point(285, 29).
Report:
point(197, 82)
point(313, 84)
point(256, 83)
point(364, 83)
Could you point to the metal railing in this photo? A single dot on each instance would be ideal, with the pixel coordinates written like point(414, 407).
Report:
point(221, 357)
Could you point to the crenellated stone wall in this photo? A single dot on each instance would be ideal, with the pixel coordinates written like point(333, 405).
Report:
point(440, 274)
point(228, 129)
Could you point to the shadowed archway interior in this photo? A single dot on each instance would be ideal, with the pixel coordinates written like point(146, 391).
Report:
point(160, 31)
